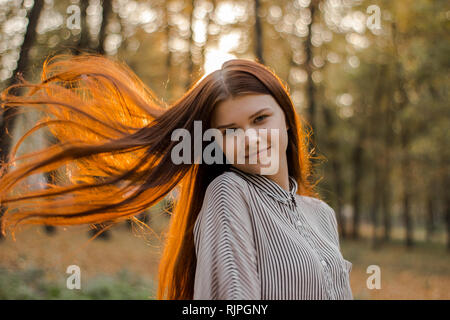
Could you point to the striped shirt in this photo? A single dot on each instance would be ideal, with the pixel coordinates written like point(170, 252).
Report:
point(255, 240)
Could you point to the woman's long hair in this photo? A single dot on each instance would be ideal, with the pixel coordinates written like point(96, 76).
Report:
point(113, 141)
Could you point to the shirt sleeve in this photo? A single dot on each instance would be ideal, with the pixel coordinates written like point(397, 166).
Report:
point(225, 247)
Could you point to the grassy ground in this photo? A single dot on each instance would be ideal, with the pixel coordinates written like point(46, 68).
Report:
point(419, 273)
point(125, 267)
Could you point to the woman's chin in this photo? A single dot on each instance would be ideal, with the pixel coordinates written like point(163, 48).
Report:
point(259, 168)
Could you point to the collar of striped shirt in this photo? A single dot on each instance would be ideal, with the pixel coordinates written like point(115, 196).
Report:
point(269, 186)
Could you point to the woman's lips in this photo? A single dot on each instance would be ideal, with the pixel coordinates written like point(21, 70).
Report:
point(246, 157)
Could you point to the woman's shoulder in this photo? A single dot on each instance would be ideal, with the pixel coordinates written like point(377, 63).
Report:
point(307, 199)
point(315, 201)
point(227, 182)
point(225, 199)
point(320, 207)
point(227, 191)
point(325, 214)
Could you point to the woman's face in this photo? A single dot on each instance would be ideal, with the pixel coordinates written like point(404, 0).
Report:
point(254, 133)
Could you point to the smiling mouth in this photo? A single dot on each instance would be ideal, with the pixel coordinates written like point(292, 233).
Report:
point(246, 157)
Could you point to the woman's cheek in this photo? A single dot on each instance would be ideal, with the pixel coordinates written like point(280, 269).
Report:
point(230, 149)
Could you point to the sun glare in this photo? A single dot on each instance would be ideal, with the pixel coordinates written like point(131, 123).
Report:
point(214, 59)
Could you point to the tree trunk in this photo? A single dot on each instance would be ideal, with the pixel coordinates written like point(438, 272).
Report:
point(190, 68)
point(445, 187)
point(258, 33)
point(332, 146)
point(447, 212)
point(9, 115)
point(357, 161)
point(376, 204)
point(208, 21)
point(377, 155)
point(406, 181)
point(169, 53)
point(83, 43)
point(386, 191)
point(107, 10)
point(310, 87)
point(404, 140)
point(429, 215)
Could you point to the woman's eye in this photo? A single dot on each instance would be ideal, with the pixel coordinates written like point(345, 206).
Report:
point(261, 117)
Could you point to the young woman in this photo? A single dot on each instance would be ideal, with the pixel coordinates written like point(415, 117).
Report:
point(238, 230)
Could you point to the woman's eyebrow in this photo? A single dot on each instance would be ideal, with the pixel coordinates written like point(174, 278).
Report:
point(255, 114)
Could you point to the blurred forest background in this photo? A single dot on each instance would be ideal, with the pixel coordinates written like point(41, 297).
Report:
point(370, 77)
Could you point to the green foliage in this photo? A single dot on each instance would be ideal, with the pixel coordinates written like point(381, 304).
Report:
point(35, 284)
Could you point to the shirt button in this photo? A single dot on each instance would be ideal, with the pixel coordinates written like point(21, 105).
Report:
point(299, 223)
point(324, 263)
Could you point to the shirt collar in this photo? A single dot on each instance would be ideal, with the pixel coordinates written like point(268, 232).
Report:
point(269, 186)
